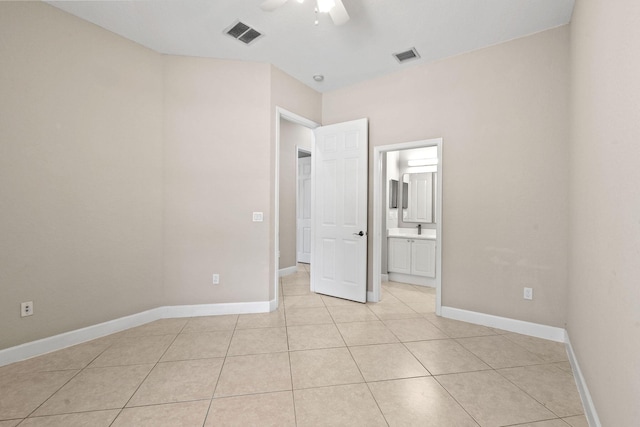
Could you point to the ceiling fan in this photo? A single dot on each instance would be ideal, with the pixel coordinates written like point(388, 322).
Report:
point(335, 8)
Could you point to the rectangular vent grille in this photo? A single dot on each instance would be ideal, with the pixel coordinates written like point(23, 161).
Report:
point(407, 55)
point(243, 32)
point(249, 36)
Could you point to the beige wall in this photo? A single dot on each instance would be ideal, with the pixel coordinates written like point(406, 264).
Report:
point(294, 96)
point(83, 183)
point(604, 284)
point(292, 136)
point(127, 177)
point(216, 142)
point(502, 112)
point(95, 129)
point(80, 174)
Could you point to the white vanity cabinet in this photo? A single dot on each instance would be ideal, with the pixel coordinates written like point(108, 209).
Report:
point(399, 255)
point(423, 257)
point(413, 256)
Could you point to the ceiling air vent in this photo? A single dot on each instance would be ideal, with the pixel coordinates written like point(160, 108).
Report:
point(243, 32)
point(407, 55)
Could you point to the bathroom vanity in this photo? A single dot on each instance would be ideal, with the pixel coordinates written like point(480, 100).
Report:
point(412, 256)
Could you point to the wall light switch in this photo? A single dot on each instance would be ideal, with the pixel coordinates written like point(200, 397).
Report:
point(528, 293)
point(258, 217)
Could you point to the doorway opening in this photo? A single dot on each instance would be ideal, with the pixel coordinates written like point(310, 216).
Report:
point(283, 119)
point(381, 210)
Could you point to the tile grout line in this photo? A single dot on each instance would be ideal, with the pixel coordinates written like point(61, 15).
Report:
point(52, 394)
point(224, 361)
point(421, 364)
point(286, 327)
point(66, 382)
point(286, 324)
point(148, 373)
point(491, 368)
point(456, 400)
point(528, 394)
point(361, 374)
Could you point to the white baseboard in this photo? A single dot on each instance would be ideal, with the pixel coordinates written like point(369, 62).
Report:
point(413, 280)
point(67, 339)
point(589, 408)
point(512, 325)
point(216, 309)
point(287, 271)
point(370, 296)
point(535, 330)
point(384, 277)
point(78, 336)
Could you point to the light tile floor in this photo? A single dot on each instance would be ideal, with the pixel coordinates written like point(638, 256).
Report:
point(317, 361)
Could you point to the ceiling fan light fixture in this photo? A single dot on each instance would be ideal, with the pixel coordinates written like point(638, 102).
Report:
point(325, 6)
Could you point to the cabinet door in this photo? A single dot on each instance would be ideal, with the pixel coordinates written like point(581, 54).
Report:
point(423, 258)
point(399, 260)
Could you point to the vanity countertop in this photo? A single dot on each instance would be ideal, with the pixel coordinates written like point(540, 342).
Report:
point(412, 233)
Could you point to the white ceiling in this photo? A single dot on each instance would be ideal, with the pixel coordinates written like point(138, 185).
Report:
point(358, 50)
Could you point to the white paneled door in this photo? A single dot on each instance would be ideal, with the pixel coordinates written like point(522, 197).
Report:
point(339, 253)
point(303, 221)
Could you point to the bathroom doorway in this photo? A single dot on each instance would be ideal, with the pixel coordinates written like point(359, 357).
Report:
point(382, 211)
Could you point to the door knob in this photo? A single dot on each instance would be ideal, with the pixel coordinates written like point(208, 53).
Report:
point(361, 233)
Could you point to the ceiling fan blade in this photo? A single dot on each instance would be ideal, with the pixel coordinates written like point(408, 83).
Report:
point(339, 14)
point(271, 5)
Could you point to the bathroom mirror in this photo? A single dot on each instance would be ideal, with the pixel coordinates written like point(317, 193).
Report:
point(419, 197)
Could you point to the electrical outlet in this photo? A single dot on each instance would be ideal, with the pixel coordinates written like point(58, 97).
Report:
point(26, 309)
point(258, 217)
point(528, 293)
point(216, 279)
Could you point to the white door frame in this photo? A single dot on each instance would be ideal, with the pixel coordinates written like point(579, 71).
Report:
point(281, 113)
point(378, 238)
